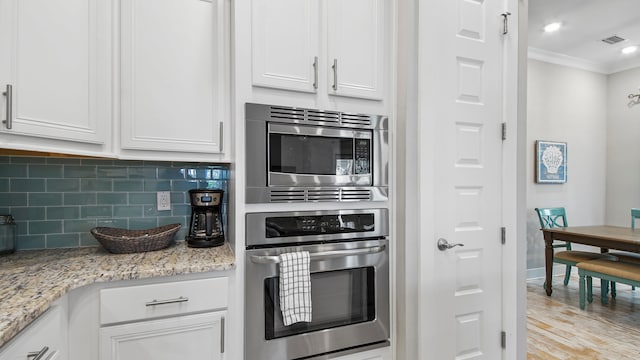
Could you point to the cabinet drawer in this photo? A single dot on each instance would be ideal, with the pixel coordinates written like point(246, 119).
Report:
point(159, 300)
point(46, 335)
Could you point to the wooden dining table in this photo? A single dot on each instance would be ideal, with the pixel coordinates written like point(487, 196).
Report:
point(605, 237)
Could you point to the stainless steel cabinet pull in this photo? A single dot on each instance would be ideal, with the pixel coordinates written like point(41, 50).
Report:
point(222, 335)
point(335, 74)
point(443, 244)
point(155, 302)
point(9, 107)
point(220, 135)
point(315, 72)
point(274, 259)
point(37, 355)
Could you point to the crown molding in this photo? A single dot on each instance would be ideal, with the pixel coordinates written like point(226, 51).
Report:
point(560, 59)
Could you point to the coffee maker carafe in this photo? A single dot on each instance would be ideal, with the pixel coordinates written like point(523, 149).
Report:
point(205, 229)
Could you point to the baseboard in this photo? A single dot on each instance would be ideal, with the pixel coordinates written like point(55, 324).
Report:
point(539, 273)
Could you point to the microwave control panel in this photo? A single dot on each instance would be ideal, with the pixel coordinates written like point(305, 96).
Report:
point(362, 156)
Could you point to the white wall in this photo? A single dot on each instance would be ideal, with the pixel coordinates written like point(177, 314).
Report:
point(623, 148)
point(569, 105)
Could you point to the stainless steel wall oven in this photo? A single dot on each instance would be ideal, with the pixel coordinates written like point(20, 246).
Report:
point(349, 266)
point(301, 155)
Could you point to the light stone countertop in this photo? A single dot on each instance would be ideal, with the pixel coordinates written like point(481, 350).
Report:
point(31, 280)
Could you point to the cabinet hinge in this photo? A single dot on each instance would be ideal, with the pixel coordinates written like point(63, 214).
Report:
point(503, 235)
point(504, 131)
point(505, 22)
point(503, 339)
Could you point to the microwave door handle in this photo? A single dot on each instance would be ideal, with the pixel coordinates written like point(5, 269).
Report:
point(321, 255)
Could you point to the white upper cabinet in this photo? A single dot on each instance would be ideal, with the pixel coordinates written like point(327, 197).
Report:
point(173, 76)
point(285, 44)
point(335, 47)
point(355, 45)
point(55, 72)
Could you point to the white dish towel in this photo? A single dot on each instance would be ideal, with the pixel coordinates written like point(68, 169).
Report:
point(295, 287)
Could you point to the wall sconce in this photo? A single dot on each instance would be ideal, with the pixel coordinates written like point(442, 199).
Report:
point(634, 99)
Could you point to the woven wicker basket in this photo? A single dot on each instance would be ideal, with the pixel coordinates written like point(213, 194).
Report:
point(123, 241)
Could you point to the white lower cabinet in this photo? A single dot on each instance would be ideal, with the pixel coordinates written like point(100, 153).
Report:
point(188, 337)
point(43, 339)
point(376, 354)
point(164, 321)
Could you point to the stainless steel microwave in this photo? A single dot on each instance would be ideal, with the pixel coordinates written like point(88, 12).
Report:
point(306, 155)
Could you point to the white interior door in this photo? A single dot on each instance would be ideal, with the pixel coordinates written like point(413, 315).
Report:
point(460, 64)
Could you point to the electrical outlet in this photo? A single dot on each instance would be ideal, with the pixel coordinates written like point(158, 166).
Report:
point(164, 200)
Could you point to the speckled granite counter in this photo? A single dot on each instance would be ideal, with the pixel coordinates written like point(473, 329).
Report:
point(30, 281)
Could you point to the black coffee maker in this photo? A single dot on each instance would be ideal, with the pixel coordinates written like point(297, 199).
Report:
point(205, 229)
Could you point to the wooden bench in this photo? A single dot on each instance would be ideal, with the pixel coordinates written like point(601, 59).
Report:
point(608, 270)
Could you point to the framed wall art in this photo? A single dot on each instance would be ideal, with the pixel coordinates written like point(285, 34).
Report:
point(551, 162)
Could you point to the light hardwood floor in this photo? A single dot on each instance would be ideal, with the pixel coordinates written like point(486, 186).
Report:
point(558, 330)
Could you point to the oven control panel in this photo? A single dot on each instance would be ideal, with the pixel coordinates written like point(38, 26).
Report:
point(318, 224)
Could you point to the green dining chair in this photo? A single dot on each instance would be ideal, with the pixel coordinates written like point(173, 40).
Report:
point(635, 214)
point(557, 217)
point(626, 256)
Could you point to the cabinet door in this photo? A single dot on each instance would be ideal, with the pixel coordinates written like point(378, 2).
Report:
point(172, 63)
point(56, 55)
point(285, 44)
point(47, 336)
point(192, 337)
point(355, 53)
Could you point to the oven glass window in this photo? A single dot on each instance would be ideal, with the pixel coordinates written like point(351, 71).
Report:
point(338, 298)
point(313, 155)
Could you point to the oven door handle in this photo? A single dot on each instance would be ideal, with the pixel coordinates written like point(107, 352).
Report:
point(321, 255)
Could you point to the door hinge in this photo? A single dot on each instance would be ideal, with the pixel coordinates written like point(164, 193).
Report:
point(503, 339)
point(504, 131)
point(505, 22)
point(503, 235)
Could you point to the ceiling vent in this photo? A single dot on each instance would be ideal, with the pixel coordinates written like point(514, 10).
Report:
point(613, 39)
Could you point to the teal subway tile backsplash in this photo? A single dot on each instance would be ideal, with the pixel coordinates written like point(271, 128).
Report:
point(13, 199)
point(114, 198)
point(45, 227)
point(27, 185)
point(128, 185)
point(4, 185)
point(45, 199)
point(63, 185)
point(56, 201)
point(13, 169)
point(63, 240)
point(45, 171)
point(80, 171)
point(112, 172)
point(96, 185)
point(63, 212)
point(32, 242)
point(81, 198)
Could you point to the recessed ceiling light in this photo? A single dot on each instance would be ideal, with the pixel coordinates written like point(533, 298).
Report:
point(552, 27)
point(629, 49)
